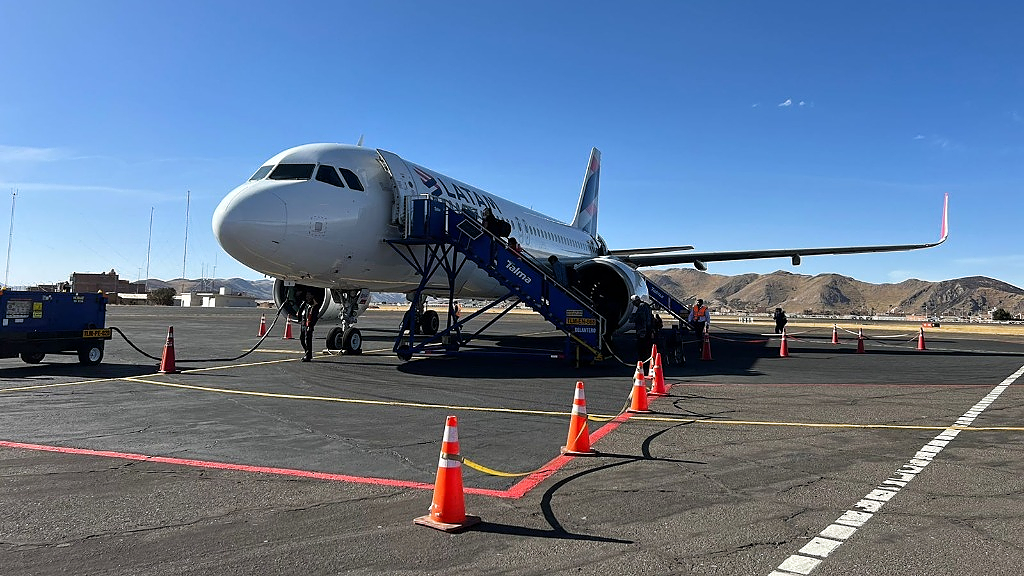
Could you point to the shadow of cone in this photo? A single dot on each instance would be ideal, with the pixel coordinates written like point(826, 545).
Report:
point(920, 340)
point(860, 341)
point(448, 508)
point(784, 347)
point(287, 330)
point(705, 352)
point(167, 358)
point(835, 334)
point(578, 443)
point(263, 326)
point(658, 377)
point(639, 393)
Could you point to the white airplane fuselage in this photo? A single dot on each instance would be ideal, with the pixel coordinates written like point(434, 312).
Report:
point(320, 234)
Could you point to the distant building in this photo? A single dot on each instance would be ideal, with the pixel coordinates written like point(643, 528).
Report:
point(219, 299)
point(108, 283)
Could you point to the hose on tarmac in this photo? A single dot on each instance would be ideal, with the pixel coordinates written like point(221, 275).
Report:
point(197, 360)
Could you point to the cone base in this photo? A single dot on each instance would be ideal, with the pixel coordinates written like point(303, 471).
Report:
point(446, 527)
point(567, 452)
point(168, 371)
point(640, 411)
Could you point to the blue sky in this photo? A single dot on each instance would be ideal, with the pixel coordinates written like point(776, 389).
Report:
point(726, 125)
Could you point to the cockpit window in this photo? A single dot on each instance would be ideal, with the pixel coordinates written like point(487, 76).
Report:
point(292, 172)
point(262, 172)
point(352, 179)
point(329, 175)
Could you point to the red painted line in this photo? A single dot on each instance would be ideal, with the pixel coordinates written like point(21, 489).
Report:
point(217, 465)
point(518, 490)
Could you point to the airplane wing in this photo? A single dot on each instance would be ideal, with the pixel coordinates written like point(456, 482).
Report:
point(654, 250)
point(640, 257)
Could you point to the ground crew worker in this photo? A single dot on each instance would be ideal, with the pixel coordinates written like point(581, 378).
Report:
point(780, 320)
point(643, 320)
point(699, 318)
point(308, 315)
point(558, 270)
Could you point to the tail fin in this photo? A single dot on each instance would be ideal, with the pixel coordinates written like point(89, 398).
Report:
point(586, 210)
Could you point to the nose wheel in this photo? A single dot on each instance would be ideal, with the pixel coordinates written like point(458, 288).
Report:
point(348, 340)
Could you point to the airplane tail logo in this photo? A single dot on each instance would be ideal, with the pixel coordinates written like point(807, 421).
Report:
point(586, 210)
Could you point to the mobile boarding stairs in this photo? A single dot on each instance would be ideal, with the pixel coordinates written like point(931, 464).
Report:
point(440, 238)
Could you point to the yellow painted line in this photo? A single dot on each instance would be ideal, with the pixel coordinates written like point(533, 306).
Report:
point(211, 368)
point(41, 386)
point(637, 417)
point(823, 424)
point(346, 400)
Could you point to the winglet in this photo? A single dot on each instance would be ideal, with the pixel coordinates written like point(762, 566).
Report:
point(945, 219)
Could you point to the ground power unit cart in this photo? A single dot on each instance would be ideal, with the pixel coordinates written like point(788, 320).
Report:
point(35, 324)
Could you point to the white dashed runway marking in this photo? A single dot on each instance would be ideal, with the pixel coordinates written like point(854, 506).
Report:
point(828, 540)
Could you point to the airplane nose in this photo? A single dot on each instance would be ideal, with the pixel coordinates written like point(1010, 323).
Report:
point(250, 223)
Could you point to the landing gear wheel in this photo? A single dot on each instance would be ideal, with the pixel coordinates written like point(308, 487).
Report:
point(404, 353)
point(429, 323)
point(91, 354)
point(32, 357)
point(335, 338)
point(352, 341)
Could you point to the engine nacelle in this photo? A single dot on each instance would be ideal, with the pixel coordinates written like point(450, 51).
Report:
point(332, 302)
point(611, 285)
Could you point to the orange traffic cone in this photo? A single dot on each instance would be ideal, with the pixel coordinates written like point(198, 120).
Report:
point(658, 382)
point(639, 393)
point(448, 508)
point(287, 330)
point(920, 340)
point(263, 326)
point(860, 341)
point(705, 352)
point(835, 334)
point(784, 347)
point(167, 358)
point(578, 443)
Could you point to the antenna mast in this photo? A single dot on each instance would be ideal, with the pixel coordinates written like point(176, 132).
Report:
point(188, 198)
point(10, 237)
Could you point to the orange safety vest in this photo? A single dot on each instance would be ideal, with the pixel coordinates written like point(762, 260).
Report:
point(700, 313)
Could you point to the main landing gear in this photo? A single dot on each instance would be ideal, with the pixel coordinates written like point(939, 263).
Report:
point(347, 337)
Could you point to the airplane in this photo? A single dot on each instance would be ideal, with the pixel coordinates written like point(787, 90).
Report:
point(317, 217)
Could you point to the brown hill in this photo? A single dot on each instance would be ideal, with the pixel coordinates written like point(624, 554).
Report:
point(836, 294)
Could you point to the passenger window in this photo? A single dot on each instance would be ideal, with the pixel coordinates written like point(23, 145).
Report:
point(262, 172)
point(352, 179)
point(329, 175)
point(292, 172)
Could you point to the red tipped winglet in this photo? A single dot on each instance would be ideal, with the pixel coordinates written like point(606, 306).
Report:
point(945, 219)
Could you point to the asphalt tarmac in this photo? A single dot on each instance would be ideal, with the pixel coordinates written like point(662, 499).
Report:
point(896, 461)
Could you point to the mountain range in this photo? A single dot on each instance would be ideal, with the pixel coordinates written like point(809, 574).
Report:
point(796, 293)
point(837, 294)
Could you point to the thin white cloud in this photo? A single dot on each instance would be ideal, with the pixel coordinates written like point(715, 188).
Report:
point(919, 137)
point(787, 103)
point(43, 188)
point(1017, 117)
point(23, 154)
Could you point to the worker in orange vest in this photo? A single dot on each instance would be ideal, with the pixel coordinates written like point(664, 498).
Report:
point(699, 318)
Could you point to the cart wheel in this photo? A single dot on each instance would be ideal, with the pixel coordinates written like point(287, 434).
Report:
point(32, 357)
point(91, 354)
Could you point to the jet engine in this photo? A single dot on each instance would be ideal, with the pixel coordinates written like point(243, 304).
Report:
point(291, 297)
point(611, 285)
